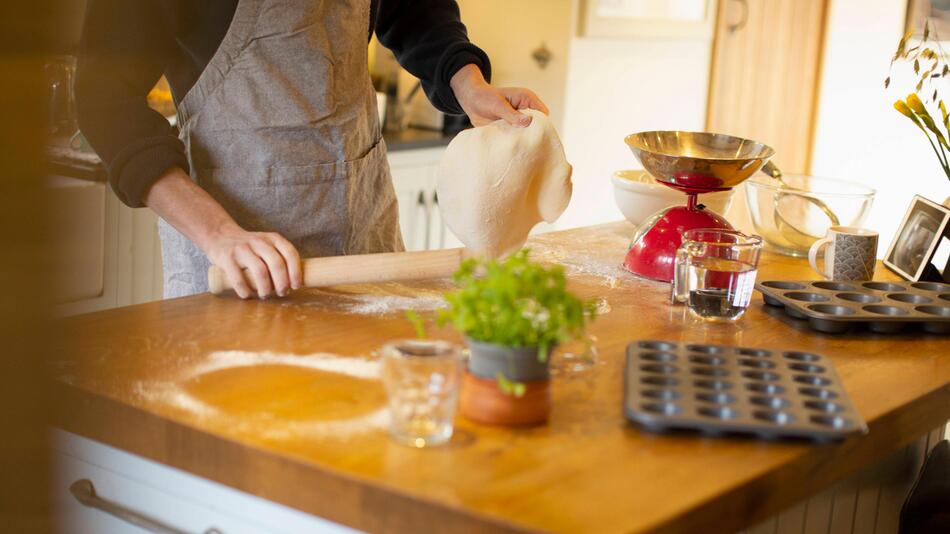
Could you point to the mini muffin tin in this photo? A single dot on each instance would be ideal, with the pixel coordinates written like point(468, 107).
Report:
point(718, 389)
point(882, 307)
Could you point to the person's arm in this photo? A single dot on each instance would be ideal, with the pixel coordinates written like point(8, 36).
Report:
point(122, 55)
point(431, 42)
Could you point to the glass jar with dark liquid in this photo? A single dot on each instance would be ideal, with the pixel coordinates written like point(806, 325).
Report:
point(715, 272)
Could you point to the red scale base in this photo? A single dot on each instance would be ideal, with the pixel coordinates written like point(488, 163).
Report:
point(653, 252)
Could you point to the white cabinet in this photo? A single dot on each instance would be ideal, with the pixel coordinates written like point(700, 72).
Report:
point(414, 191)
point(128, 487)
point(105, 254)
point(414, 177)
point(77, 210)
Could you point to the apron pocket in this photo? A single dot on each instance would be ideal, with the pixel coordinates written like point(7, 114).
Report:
point(307, 205)
point(327, 209)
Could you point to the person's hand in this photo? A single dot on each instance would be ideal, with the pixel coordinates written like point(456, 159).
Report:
point(269, 260)
point(484, 103)
point(272, 263)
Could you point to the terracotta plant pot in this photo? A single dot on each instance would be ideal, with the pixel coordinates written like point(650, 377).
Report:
point(484, 402)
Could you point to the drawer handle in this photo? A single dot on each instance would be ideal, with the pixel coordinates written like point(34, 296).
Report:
point(85, 493)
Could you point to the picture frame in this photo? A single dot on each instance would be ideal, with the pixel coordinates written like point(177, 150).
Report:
point(920, 250)
point(647, 18)
point(920, 10)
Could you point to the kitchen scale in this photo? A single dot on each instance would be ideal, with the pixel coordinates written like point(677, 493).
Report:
point(693, 163)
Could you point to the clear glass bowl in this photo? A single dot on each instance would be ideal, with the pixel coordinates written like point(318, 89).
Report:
point(792, 218)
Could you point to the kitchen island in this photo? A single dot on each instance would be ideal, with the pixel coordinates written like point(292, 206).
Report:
point(280, 399)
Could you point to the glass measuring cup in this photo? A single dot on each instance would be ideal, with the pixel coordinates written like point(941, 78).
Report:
point(714, 273)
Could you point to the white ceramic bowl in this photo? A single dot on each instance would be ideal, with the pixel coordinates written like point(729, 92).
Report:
point(638, 196)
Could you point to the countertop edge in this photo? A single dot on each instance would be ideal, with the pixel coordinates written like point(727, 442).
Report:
point(317, 490)
point(340, 497)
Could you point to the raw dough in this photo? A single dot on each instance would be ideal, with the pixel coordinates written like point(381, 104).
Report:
point(497, 181)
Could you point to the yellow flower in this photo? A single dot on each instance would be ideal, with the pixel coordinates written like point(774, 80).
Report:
point(905, 110)
point(923, 117)
point(901, 106)
point(913, 101)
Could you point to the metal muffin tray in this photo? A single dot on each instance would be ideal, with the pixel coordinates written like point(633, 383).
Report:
point(718, 389)
point(882, 307)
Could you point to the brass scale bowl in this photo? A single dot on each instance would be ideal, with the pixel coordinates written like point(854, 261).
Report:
point(701, 162)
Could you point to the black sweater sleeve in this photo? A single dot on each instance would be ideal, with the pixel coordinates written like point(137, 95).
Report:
point(430, 41)
point(121, 58)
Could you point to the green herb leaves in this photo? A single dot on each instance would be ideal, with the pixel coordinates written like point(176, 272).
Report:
point(509, 387)
point(516, 303)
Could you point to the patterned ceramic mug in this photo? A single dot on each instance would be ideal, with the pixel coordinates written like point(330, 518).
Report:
point(851, 254)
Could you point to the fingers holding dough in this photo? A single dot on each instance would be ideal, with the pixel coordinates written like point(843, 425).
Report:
point(496, 182)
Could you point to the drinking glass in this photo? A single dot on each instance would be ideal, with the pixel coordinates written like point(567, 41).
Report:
point(715, 272)
point(422, 380)
point(60, 73)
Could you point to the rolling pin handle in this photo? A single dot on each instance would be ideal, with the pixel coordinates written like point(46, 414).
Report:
point(363, 269)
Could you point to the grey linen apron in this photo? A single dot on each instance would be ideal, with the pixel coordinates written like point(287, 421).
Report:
point(281, 128)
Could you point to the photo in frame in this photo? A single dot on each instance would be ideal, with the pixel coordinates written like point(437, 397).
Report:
point(647, 18)
point(937, 11)
point(921, 248)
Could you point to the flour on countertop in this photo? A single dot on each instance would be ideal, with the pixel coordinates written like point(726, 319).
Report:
point(603, 306)
point(330, 363)
point(382, 305)
point(379, 299)
point(172, 393)
point(597, 256)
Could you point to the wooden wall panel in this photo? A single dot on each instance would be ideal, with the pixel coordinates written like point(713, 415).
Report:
point(765, 74)
point(764, 79)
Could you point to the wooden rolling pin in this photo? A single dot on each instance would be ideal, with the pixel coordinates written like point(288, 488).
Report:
point(364, 268)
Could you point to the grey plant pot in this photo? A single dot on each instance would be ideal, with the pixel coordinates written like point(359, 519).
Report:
point(519, 364)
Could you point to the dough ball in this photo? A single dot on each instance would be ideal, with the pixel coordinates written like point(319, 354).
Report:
point(496, 182)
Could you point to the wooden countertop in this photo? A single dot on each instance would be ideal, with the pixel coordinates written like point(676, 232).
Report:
point(152, 379)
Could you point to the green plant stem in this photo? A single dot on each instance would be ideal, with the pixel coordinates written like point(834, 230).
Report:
point(941, 157)
point(941, 153)
point(946, 164)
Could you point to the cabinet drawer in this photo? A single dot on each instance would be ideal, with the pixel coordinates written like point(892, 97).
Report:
point(175, 498)
point(72, 516)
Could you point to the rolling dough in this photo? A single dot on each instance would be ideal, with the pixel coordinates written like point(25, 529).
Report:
point(497, 181)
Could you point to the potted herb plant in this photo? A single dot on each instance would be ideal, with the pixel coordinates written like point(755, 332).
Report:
point(513, 314)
